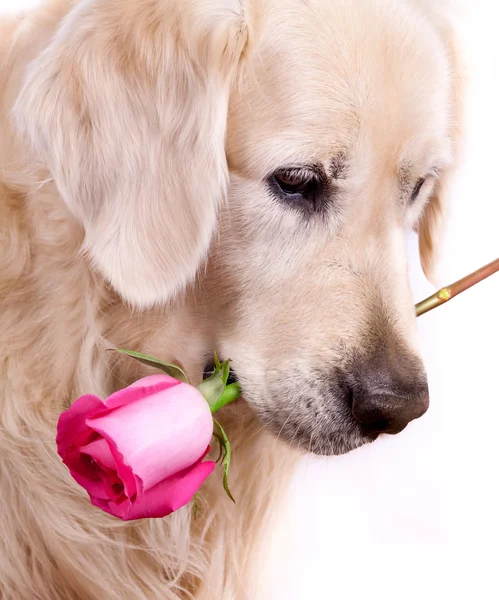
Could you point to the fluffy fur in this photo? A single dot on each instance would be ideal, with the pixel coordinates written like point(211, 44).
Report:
point(138, 143)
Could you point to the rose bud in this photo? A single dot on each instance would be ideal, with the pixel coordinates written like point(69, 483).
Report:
point(140, 452)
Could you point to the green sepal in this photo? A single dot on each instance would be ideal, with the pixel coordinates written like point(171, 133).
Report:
point(150, 361)
point(232, 392)
point(221, 447)
point(214, 386)
point(225, 371)
point(221, 436)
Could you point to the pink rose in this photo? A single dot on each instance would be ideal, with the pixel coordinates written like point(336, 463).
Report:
point(140, 453)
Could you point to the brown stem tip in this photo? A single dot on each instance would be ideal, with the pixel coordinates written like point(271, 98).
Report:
point(451, 291)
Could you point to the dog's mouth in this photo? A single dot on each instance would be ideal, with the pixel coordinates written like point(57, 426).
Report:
point(334, 442)
point(210, 367)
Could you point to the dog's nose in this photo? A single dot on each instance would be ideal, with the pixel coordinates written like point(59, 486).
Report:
point(388, 395)
point(388, 413)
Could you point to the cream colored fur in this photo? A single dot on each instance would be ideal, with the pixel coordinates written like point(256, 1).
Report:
point(132, 136)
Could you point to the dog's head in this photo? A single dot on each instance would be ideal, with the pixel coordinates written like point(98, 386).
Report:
point(290, 143)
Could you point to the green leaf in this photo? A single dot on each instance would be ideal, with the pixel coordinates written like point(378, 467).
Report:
point(226, 461)
point(169, 369)
point(195, 505)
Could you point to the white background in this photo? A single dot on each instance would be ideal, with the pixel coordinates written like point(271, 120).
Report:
point(416, 515)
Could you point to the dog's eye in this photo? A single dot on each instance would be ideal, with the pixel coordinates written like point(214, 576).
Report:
point(417, 189)
point(301, 187)
point(294, 183)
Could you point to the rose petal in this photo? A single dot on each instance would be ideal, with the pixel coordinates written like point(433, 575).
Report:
point(105, 465)
point(132, 484)
point(72, 422)
point(169, 495)
point(154, 380)
point(147, 386)
point(99, 450)
point(158, 435)
point(113, 508)
point(88, 476)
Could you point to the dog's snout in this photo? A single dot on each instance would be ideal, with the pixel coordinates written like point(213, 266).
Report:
point(389, 394)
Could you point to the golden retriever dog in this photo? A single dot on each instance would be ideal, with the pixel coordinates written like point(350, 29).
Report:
point(178, 176)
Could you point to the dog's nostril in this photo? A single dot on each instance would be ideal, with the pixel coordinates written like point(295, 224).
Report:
point(387, 413)
point(383, 426)
point(378, 426)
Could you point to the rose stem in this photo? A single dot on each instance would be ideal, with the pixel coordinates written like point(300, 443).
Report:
point(451, 291)
point(231, 393)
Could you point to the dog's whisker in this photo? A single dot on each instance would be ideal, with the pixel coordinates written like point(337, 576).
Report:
point(281, 430)
point(310, 441)
point(260, 429)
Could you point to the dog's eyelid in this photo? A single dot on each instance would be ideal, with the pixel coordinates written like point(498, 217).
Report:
point(431, 173)
point(297, 173)
point(296, 180)
point(302, 170)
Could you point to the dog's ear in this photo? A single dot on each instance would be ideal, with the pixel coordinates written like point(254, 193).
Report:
point(431, 226)
point(127, 106)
